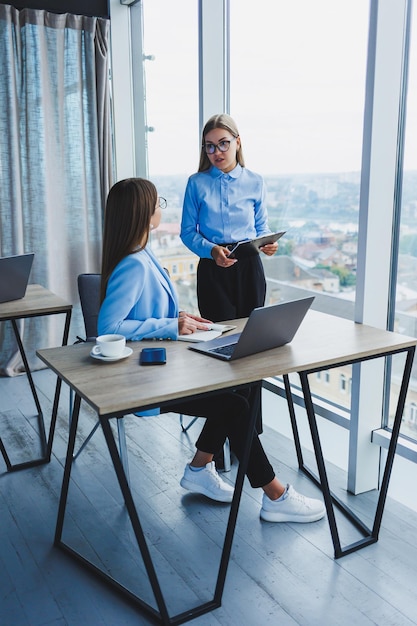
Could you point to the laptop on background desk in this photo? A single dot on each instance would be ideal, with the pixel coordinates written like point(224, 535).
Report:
point(14, 276)
point(267, 327)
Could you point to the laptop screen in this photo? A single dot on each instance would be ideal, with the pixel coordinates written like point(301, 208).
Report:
point(14, 276)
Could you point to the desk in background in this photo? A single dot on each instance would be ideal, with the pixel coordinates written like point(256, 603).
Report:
point(322, 342)
point(38, 302)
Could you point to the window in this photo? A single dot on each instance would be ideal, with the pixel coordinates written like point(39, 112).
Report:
point(413, 415)
point(406, 274)
point(171, 87)
point(297, 94)
point(297, 91)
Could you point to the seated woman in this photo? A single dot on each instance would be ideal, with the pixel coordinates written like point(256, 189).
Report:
point(139, 302)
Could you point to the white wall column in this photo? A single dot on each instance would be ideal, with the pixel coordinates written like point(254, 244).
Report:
point(213, 58)
point(384, 85)
point(122, 90)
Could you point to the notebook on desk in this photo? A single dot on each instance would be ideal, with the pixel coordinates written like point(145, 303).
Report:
point(14, 276)
point(267, 327)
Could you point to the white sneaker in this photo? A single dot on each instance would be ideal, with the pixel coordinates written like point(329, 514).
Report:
point(293, 508)
point(208, 483)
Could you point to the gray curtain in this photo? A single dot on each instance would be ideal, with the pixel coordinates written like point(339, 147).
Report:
point(55, 157)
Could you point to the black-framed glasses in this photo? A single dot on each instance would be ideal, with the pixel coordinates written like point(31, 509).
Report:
point(223, 146)
point(162, 203)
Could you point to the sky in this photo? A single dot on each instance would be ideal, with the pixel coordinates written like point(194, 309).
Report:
point(297, 85)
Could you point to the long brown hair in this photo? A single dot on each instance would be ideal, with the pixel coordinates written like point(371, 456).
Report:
point(129, 209)
point(221, 120)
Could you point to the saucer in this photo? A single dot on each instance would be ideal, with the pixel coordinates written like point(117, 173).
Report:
point(126, 352)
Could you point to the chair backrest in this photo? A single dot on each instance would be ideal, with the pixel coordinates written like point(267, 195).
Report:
point(89, 292)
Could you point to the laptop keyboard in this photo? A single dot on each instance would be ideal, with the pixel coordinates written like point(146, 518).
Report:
point(226, 350)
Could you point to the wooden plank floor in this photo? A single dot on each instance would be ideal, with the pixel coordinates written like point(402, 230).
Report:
point(278, 574)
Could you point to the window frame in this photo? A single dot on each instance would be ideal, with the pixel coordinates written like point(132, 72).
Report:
point(380, 175)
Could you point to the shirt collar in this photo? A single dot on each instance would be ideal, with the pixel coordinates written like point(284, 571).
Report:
point(234, 173)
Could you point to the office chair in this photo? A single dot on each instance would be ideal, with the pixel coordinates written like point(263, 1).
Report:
point(89, 293)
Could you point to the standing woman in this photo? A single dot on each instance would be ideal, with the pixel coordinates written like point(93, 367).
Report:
point(225, 203)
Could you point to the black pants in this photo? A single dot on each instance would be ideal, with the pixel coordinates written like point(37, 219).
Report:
point(228, 415)
point(226, 293)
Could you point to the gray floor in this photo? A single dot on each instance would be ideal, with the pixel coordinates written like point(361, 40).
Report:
point(278, 574)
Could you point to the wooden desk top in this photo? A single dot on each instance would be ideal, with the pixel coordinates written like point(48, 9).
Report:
point(37, 301)
point(123, 386)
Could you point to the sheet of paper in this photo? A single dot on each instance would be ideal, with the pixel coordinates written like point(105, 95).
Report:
point(215, 330)
point(221, 327)
point(200, 335)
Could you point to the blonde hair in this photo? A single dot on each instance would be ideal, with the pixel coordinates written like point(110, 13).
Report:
point(221, 120)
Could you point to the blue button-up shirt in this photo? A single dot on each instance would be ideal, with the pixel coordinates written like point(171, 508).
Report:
point(223, 208)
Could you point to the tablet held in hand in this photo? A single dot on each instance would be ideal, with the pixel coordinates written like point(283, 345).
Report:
point(243, 249)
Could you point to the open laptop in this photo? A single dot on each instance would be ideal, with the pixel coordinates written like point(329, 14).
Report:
point(267, 327)
point(14, 276)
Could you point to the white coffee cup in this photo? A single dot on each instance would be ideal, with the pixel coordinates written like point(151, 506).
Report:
point(109, 345)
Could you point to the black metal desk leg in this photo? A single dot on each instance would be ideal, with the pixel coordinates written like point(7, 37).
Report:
point(46, 444)
point(30, 379)
point(324, 483)
point(41, 424)
point(255, 395)
point(57, 393)
point(53, 420)
point(196, 611)
point(161, 615)
point(134, 518)
point(393, 443)
point(329, 498)
point(295, 433)
point(67, 471)
point(369, 535)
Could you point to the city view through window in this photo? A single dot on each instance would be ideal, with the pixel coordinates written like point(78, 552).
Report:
point(315, 254)
point(300, 117)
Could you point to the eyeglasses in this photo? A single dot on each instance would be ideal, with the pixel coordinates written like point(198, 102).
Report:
point(162, 203)
point(223, 146)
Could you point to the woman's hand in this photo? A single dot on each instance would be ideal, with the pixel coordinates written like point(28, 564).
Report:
point(270, 248)
point(221, 256)
point(188, 323)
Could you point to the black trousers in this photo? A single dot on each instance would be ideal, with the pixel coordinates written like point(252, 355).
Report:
point(226, 293)
point(227, 415)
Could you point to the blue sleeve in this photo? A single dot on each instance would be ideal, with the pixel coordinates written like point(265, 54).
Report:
point(135, 306)
point(190, 235)
point(261, 214)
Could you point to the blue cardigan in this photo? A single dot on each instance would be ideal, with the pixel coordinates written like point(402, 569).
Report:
point(140, 301)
